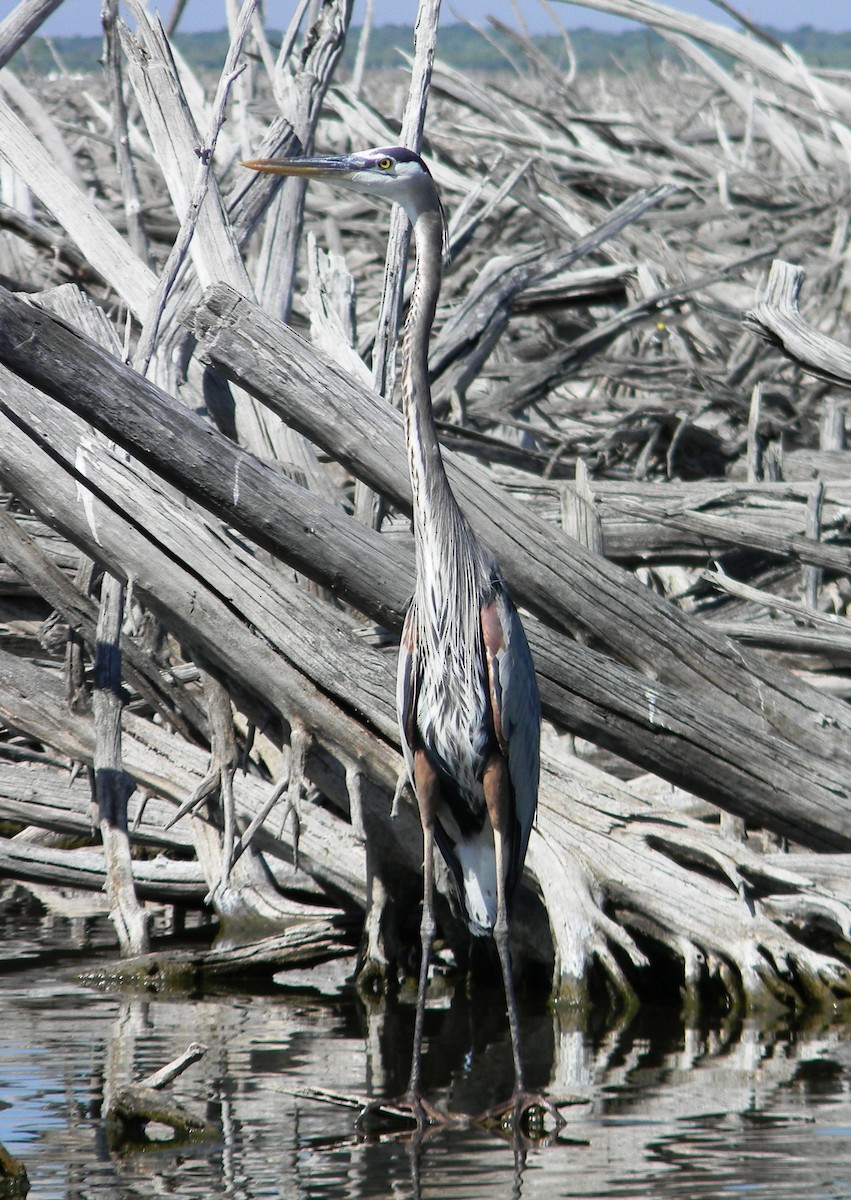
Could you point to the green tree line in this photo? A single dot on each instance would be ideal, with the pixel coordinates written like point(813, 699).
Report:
point(465, 49)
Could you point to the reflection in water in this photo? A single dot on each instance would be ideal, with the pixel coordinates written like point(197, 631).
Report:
point(668, 1111)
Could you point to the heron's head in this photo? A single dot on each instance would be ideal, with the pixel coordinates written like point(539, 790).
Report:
point(391, 173)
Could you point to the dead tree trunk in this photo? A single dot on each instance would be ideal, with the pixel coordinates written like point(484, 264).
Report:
point(690, 704)
point(112, 784)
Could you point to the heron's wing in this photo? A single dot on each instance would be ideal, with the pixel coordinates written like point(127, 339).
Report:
point(407, 687)
point(407, 696)
point(516, 712)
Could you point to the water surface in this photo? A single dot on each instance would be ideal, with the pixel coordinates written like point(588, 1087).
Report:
point(724, 1109)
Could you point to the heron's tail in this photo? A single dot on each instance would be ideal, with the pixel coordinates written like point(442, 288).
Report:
point(477, 882)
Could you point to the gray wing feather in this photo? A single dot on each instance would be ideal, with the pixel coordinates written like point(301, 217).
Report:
point(518, 718)
point(406, 692)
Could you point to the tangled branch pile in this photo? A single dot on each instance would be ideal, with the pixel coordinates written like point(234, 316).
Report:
point(214, 502)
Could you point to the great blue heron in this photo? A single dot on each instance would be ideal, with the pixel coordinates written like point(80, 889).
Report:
point(468, 705)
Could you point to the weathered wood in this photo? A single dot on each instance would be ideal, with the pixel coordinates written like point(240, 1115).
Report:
point(127, 174)
point(579, 517)
point(300, 91)
point(80, 612)
point(231, 482)
point(21, 23)
point(639, 519)
point(175, 135)
point(659, 727)
point(581, 823)
point(304, 943)
point(112, 784)
point(39, 234)
point(715, 530)
point(168, 881)
point(598, 851)
point(544, 377)
point(171, 768)
point(167, 1074)
point(835, 647)
point(663, 398)
point(778, 319)
point(133, 1106)
point(54, 800)
point(242, 892)
point(830, 624)
point(755, 52)
point(557, 578)
point(399, 240)
point(103, 247)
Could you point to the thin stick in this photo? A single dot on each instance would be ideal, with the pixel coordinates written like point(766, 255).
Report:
point(754, 454)
point(245, 839)
point(165, 1075)
point(127, 176)
point(363, 47)
point(112, 784)
point(21, 24)
point(230, 73)
point(174, 17)
point(812, 575)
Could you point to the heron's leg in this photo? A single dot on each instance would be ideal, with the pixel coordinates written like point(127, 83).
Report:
point(523, 1103)
point(498, 799)
point(427, 931)
point(428, 795)
point(414, 1102)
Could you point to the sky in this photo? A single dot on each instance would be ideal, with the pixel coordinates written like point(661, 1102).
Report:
point(83, 16)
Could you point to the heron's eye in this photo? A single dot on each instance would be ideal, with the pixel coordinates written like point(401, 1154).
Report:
point(385, 163)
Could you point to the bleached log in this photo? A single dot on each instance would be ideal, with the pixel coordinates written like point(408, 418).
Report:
point(21, 23)
point(106, 251)
point(742, 530)
point(748, 50)
point(647, 521)
point(551, 574)
point(616, 853)
point(176, 140)
point(80, 613)
point(774, 754)
point(34, 793)
point(169, 881)
point(670, 725)
point(615, 846)
point(162, 763)
point(778, 318)
point(132, 1107)
point(112, 785)
point(302, 944)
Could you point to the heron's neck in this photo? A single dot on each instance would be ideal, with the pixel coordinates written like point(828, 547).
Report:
point(433, 501)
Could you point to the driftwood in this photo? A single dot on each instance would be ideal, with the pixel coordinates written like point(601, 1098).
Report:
point(660, 522)
point(275, 761)
point(21, 23)
point(778, 319)
point(162, 879)
point(134, 1106)
point(112, 785)
point(171, 768)
point(574, 934)
point(304, 943)
point(539, 563)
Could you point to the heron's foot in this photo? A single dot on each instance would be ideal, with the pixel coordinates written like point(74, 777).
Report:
point(530, 1116)
point(412, 1110)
